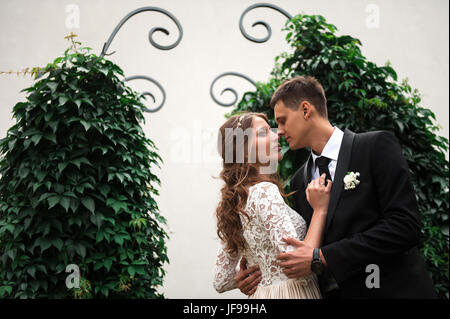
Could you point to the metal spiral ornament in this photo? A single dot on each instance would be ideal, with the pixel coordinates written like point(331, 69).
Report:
point(146, 93)
point(263, 23)
point(153, 42)
point(233, 91)
point(151, 32)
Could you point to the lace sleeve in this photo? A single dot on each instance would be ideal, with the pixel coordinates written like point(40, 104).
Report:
point(225, 270)
point(273, 212)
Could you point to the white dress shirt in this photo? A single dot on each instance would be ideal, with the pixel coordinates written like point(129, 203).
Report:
point(331, 150)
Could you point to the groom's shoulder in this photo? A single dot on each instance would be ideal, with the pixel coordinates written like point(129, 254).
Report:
point(372, 137)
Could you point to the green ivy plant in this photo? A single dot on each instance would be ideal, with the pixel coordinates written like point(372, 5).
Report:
point(77, 187)
point(365, 97)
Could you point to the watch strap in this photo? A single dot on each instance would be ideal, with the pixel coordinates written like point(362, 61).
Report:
point(316, 255)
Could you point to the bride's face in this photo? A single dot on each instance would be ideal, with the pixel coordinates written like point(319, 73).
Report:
point(265, 142)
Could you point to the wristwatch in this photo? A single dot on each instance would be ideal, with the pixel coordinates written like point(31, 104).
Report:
point(316, 264)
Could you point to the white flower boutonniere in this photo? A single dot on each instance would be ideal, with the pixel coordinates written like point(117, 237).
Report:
point(351, 180)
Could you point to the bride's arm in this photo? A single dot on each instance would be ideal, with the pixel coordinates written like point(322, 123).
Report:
point(272, 210)
point(315, 230)
point(318, 196)
point(225, 270)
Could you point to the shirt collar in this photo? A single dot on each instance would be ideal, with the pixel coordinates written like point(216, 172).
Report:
point(331, 149)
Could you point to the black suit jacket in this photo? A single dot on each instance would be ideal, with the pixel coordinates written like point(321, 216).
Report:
point(376, 223)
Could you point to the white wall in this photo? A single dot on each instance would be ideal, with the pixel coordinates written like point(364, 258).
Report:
point(412, 35)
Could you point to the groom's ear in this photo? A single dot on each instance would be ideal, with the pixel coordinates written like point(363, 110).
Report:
point(306, 109)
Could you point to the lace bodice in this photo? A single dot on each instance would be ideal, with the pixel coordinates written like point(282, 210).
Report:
point(271, 219)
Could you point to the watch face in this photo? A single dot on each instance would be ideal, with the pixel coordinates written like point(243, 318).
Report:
point(316, 267)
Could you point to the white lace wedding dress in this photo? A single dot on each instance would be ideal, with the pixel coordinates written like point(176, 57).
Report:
point(271, 219)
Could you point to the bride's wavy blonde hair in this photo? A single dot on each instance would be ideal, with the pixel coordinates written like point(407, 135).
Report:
point(238, 177)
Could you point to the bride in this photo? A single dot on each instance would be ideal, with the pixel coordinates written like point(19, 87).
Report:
point(252, 216)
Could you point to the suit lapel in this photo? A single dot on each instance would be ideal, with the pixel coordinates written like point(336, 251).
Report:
point(306, 209)
point(343, 164)
point(307, 171)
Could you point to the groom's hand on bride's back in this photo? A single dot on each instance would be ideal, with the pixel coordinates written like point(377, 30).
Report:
point(297, 263)
point(247, 279)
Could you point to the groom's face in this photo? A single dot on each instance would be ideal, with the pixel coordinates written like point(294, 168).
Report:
point(291, 125)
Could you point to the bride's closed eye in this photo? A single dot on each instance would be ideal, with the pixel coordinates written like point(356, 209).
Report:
point(262, 132)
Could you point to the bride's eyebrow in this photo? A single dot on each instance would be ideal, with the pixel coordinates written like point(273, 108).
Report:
point(263, 129)
point(260, 129)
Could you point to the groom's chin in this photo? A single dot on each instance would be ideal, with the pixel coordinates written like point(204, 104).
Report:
point(297, 146)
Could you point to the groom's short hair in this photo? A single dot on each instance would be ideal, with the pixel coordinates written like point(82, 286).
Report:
point(294, 91)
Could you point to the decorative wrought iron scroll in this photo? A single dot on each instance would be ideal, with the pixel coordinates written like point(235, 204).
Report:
point(263, 23)
point(251, 38)
point(233, 91)
point(143, 77)
point(153, 42)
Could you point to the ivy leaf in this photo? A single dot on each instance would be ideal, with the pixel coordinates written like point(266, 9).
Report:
point(53, 200)
point(62, 166)
point(98, 265)
point(116, 205)
point(89, 204)
point(131, 271)
point(23, 172)
point(27, 223)
point(8, 227)
point(96, 219)
point(65, 202)
point(5, 290)
point(44, 243)
point(99, 236)
point(20, 105)
point(108, 263)
point(54, 125)
point(58, 243)
point(81, 250)
point(63, 100)
point(36, 138)
point(88, 101)
point(74, 203)
point(80, 160)
point(51, 137)
point(52, 86)
point(41, 268)
point(104, 189)
point(40, 175)
point(86, 125)
point(12, 254)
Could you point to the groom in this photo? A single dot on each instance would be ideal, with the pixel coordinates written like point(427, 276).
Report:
point(369, 248)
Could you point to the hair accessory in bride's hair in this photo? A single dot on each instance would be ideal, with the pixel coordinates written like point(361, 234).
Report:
point(240, 119)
